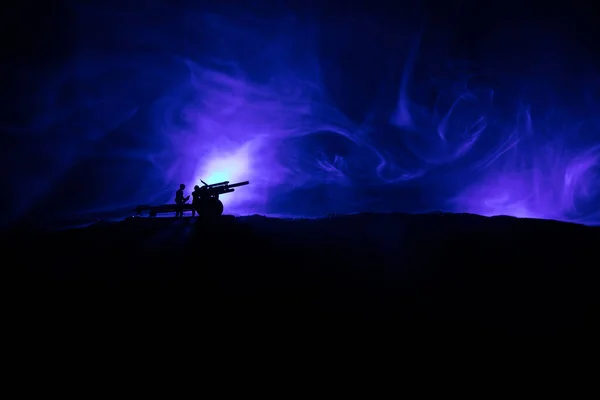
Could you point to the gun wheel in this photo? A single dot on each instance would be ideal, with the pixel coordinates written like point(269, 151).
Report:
point(217, 208)
point(210, 208)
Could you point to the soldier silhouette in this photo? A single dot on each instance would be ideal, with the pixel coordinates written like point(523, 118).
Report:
point(195, 199)
point(180, 201)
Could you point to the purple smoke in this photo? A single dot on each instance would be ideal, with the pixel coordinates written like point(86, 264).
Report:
point(241, 96)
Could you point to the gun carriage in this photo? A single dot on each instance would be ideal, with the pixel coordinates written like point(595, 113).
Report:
point(207, 204)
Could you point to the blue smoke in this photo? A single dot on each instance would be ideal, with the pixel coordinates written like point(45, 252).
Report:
point(322, 111)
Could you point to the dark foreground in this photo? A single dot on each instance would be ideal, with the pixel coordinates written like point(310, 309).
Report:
point(409, 274)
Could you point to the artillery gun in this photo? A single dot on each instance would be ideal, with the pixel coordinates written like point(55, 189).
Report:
point(207, 205)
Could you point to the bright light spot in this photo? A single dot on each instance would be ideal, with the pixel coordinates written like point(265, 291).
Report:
point(233, 167)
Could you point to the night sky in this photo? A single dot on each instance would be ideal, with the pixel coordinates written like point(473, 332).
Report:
point(325, 107)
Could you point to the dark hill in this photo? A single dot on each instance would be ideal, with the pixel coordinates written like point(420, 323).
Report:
point(410, 273)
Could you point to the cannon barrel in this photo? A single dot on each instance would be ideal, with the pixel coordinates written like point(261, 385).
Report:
point(212, 185)
point(233, 185)
point(217, 189)
point(222, 186)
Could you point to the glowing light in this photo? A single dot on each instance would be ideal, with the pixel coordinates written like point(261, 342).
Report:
point(233, 167)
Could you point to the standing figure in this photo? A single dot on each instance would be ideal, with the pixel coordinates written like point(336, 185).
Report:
point(195, 199)
point(180, 201)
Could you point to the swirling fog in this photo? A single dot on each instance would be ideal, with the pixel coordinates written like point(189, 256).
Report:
point(322, 113)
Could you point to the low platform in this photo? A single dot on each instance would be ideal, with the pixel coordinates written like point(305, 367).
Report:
point(208, 207)
point(165, 208)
